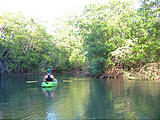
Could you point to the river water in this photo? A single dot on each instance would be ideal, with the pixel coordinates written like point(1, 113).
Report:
point(78, 98)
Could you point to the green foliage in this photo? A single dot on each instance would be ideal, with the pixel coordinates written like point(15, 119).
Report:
point(71, 56)
point(144, 44)
point(114, 30)
point(102, 36)
point(24, 43)
point(103, 29)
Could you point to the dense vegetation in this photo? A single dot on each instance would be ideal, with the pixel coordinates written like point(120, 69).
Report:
point(103, 36)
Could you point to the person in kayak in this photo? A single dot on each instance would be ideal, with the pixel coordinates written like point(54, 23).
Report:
point(48, 77)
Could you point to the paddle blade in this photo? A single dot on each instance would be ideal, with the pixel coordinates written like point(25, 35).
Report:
point(31, 81)
point(67, 81)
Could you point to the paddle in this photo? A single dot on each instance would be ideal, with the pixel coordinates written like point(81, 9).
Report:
point(46, 81)
point(31, 81)
point(63, 81)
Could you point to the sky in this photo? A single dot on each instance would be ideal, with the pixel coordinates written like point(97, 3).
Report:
point(45, 10)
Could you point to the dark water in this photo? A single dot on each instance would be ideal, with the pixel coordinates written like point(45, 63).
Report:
point(79, 98)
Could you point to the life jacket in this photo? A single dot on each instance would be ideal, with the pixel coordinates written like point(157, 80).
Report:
point(49, 78)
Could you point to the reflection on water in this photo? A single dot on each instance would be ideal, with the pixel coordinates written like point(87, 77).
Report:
point(49, 92)
point(80, 99)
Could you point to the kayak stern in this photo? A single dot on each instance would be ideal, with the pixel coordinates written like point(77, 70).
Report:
point(49, 84)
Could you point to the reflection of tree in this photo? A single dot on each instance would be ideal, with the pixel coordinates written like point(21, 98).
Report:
point(19, 101)
point(137, 101)
point(145, 99)
point(97, 102)
point(72, 99)
point(112, 99)
point(99, 99)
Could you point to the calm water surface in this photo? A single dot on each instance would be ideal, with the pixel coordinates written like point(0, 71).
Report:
point(78, 98)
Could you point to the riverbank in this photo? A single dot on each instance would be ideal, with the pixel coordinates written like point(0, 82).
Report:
point(150, 71)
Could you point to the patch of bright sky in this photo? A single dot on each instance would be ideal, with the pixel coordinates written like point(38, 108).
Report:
point(45, 10)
